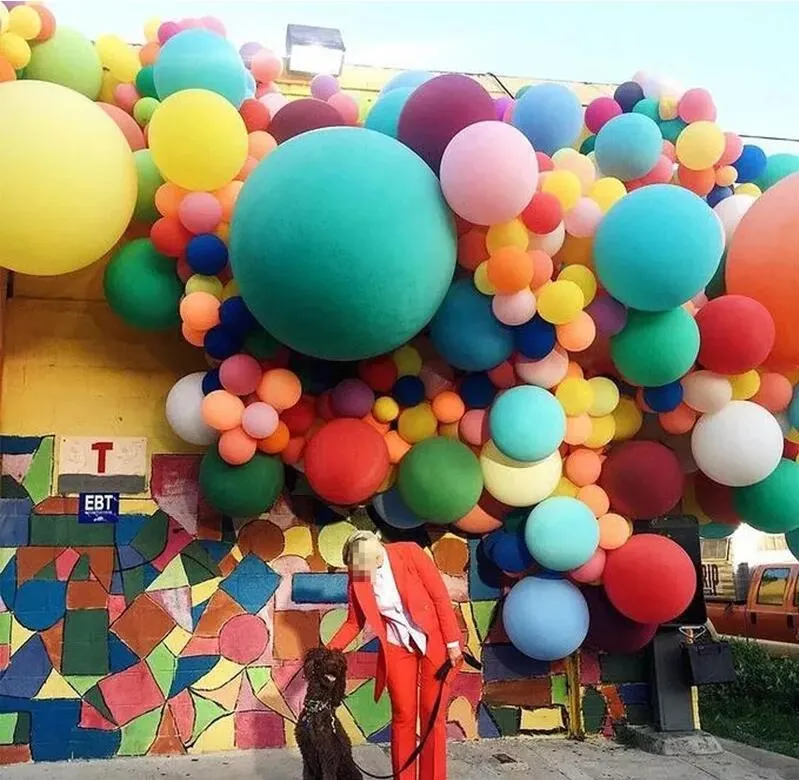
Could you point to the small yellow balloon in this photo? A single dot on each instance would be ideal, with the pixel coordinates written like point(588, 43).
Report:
point(606, 396)
point(3, 18)
point(151, 29)
point(607, 191)
point(385, 409)
point(579, 164)
point(407, 360)
point(202, 283)
point(749, 188)
point(726, 176)
point(667, 108)
point(744, 386)
point(602, 430)
point(700, 145)
point(575, 396)
point(565, 186)
point(566, 487)
point(15, 49)
point(793, 437)
point(107, 86)
point(417, 424)
point(583, 277)
point(231, 290)
point(560, 302)
point(481, 281)
point(628, 418)
point(512, 233)
point(25, 22)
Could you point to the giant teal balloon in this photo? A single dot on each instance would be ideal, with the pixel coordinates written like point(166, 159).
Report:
point(527, 423)
point(342, 244)
point(628, 146)
point(561, 533)
point(771, 505)
point(792, 540)
point(408, 79)
point(385, 113)
point(658, 247)
point(200, 59)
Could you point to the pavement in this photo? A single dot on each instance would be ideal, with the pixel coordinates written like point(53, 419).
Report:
point(507, 759)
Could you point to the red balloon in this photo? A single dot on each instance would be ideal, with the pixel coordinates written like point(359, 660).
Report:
point(543, 214)
point(609, 630)
point(650, 579)
point(255, 115)
point(300, 116)
point(438, 110)
point(715, 500)
point(169, 237)
point(346, 461)
point(126, 123)
point(737, 333)
point(379, 373)
point(300, 417)
point(643, 479)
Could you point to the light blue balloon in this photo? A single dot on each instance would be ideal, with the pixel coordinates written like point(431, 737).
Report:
point(394, 510)
point(545, 619)
point(385, 113)
point(200, 59)
point(249, 83)
point(465, 331)
point(561, 533)
point(628, 146)
point(658, 247)
point(550, 115)
point(527, 423)
point(793, 409)
point(409, 79)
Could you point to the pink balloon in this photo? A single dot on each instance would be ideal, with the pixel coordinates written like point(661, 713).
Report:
point(733, 146)
point(274, 101)
point(324, 86)
point(127, 124)
point(167, 30)
point(214, 24)
point(240, 374)
point(489, 173)
point(592, 570)
point(660, 174)
point(600, 111)
point(582, 220)
point(515, 309)
point(259, 420)
point(697, 105)
point(126, 96)
point(200, 212)
point(473, 427)
point(346, 105)
point(547, 372)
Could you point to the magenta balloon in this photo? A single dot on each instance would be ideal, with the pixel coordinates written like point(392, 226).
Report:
point(609, 630)
point(324, 86)
point(608, 314)
point(300, 116)
point(438, 110)
point(501, 105)
point(352, 398)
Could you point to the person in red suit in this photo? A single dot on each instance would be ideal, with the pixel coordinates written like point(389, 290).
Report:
point(398, 591)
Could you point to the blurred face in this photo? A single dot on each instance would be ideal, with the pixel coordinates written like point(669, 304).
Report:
point(366, 557)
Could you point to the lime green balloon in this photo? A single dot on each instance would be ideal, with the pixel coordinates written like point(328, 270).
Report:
point(772, 505)
point(142, 287)
point(440, 480)
point(144, 109)
point(778, 166)
point(149, 180)
point(241, 491)
point(69, 59)
point(655, 348)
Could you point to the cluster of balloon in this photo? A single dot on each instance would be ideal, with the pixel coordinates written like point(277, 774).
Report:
point(601, 335)
point(23, 26)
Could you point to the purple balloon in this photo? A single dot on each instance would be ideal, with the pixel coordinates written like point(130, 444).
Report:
point(301, 116)
point(352, 398)
point(323, 86)
point(609, 630)
point(249, 50)
point(608, 315)
point(501, 105)
point(438, 110)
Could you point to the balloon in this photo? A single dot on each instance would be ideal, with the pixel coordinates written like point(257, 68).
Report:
point(440, 480)
point(751, 164)
point(266, 66)
point(643, 479)
point(236, 447)
point(394, 511)
point(527, 423)
point(600, 111)
point(507, 550)
point(737, 446)
point(628, 146)
point(384, 115)
point(409, 79)
point(778, 166)
point(323, 86)
point(614, 531)
point(697, 105)
point(775, 392)
point(438, 110)
point(665, 398)
point(488, 173)
point(792, 539)
point(547, 372)
point(583, 467)
point(514, 309)
point(240, 375)
point(560, 302)
point(352, 398)
point(200, 212)
point(301, 116)
point(346, 461)
point(280, 388)
point(635, 574)
point(731, 211)
point(200, 59)
point(545, 619)
point(657, 248)
point(141, 287)
point(549, 115)
point(608, 315)
point(206, 254)
point(184, 411)
point(654, 349)
point(149, 180)
point(543, 213)
point(611, 632)
point(127, 124)
point(516, 483)
point(591, 570)
point(241, 491)
point(259, 420)
point(68, 59)
point(700, 145)
point(198, 140)
point(535, 339)
point(628, 95)
point(296, 205)
point(705, 391)
point(48, 230)
point(561, 533)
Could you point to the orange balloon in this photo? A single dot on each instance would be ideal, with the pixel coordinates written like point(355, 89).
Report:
point(277, 442)
point(167, 199)
point(448, 407)
point(260, 144)
point(222, 410)
point(397, 446)
point(148, 53)
point(574, 370)
point(510, 269)
point(595, 498)
point(699, 182)
point(7, 73)
point(246, 169)
point(236, 447)
point(293, 451)
point(614, 531)
point(679, 420)
point(484, 517)
point(775, 392)
point(577, 335)
point(195, 337)
point(200, 311)
point(543, 268)
point(227, 197)
point(578, 429)
point(583, 467)
point(576, 251)
point(279, 388)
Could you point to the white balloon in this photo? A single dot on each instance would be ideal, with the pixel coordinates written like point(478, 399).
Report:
point(183, 405)
point(548, 242)
point(730, 212)
point(739, 445)
point(706, 392)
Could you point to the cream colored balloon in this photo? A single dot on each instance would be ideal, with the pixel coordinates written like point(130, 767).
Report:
point(516, 483)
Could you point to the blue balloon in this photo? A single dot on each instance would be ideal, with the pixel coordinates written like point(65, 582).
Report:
point(628, 146)
point(561, 533)
point(527, 423)
point(200, 59)
point(408, 391)
point(507, 550)
point(546, 619)
point(793, 408)
point(657, 248)
point(751, 164)
point(394, 511)
point(221, 343)
point(649, 107)
point(549, 115)
point(385, 113)
point(409, 79)
point(477, 391)
point(628, 94)
point(465, 331)
point(236, 317)
point(718, 194)
point(206, 254)
point(665, 398)
point(211, 381)
point(535, 339)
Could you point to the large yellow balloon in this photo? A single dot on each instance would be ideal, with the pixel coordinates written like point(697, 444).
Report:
point(67, 179)
point(198, 140)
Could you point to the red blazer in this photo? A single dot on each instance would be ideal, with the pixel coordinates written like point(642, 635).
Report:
point(424, 597)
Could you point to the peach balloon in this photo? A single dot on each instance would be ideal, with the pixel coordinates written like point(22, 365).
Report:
point(614, 531)
point(473, 427)
point(514, 308)
point(168, 198)
point(397, 446)
point(194, 337)
point(127, 124)
point(775, 392)
point(591, 571)
point(227, 198)
point(547, 372)
point(583, 467)
point(679, 420)
point(236, 447)
point(200, 311)
point(578, 334)
point(595, 498)
point(280, 388)
point(222, 410)
point(261, 144)
point(448, 407)
point(578, 429)
point(543, 268)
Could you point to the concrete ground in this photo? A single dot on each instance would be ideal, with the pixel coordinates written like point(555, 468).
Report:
point(504, 759)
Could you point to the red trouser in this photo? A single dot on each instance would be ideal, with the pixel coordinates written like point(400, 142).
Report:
point(408, 700)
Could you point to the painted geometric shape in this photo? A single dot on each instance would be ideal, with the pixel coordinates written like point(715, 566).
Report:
point(261, 538)
point(461, 712)
point(19, 445)
point(243, 639)
point(484, 613)
point(298, 541)
point(351, 728)
point(8, 582)
point(226, 695)
point(89, 465)
point(635, 693)
point(370, 716)
point(177, 639)
point(219, 736)
point(66, 531)
point(11, 488)
point(66, 563)
point(151, 539)
point(486, 728)
point(38, 480)
point(163, 666)
point(5, 628)
point(177, 539)
point(252, 583)
point(8, 723)
point(319, 588)
point(143, 625)
point(90, 718)
point(85, 642)
point(294, 633)
point(128, 526)
point(174, 484)
point(189, 670)
point(198, 564)
point(484, 576)
point(220, 609)
point(182, 709)
point(451, 555)
point(505, 662)
point(27, 671)
point(131, 693)
point(382, 737)
point(14, 521)
point(507, 719)
point(520, 693)
point(15, 754)
point(86, 595)
point(331, 542)
point(16, 466)
point(623, 668)
point(176, 603)
point(221, 674)
point(139, 734)
point(206, 712)
point(173, 576)
point(201, 645)
point(56, 687)
point(256, 730)
point(19, 635)
point(167, 739)
point(215, 551)
point(543, 719)
point(120, 656)
point(590, 672)
point(560, 690)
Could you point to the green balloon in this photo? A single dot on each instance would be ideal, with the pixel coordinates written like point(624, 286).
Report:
point(648, 107)
point(145, 85)
point(655, 348)
point(772, 505)
point(440, 480)
point(717, 530)
point(588, 144)
point(670, 129)
point(69, 59)
point(717, 286)
point(142, 288)
point(792, 540)
point(778, 166)
point(149, 180)
point(241, 491)
point(260, 345)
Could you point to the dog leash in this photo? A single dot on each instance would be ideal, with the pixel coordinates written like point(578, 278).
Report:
point(441, 675)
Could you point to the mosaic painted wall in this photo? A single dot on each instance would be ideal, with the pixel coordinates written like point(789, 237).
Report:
point(178, 630)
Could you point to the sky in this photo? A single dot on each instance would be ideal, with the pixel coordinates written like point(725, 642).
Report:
point(744, 53)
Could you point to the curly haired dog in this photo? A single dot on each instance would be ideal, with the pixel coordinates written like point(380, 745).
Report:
point(326, 749)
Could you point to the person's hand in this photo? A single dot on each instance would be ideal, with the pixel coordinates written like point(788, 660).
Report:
point(455, 656)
